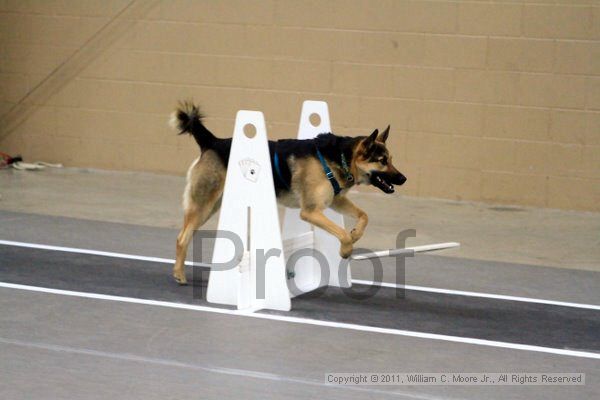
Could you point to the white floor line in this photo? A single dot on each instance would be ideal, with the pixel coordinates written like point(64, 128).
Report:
point(97, 253)
point(243, 373)
point(478, 294)
point(307, 321)
point(357, 281)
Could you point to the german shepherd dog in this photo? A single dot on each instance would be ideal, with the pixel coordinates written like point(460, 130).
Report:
point(311, 174)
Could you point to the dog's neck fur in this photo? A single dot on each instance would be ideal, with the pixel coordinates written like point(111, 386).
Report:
point(333, 148)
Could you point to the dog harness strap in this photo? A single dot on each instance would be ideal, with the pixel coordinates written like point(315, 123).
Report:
point(278, 171)
point(336, 186)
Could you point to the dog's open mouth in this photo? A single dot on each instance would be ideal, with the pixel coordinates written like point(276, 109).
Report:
point(381, 181)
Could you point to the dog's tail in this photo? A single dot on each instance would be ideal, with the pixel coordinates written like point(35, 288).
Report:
point(187, 119)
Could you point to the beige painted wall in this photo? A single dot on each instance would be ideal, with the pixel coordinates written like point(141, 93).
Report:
point(496, 101)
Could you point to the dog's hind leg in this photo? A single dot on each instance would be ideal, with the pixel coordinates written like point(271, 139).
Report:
point(343, 205)
point(194, 218)
point(191, 221)
point(202, 199)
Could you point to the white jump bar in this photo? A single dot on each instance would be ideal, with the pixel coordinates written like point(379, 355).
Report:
point(407, 250)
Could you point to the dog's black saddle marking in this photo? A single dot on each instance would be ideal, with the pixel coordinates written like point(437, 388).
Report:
point(332, 147)
point(277, 169)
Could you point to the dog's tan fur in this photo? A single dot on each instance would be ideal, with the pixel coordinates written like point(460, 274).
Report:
point(310, 190)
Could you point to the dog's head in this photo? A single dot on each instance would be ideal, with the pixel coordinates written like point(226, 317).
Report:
point(373, 163)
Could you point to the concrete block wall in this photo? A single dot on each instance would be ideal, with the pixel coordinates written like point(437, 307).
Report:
point(495, 101)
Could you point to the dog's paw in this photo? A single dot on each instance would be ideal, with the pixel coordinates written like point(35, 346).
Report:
point(355, 235)
point(181, 281)
point(180, 278)
point(346, 250)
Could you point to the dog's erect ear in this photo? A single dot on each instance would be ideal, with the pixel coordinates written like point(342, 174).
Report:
point(382, 137)
point(368, 143)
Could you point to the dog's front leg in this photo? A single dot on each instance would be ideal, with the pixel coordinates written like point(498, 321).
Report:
point(317, 218)
point(343, 205)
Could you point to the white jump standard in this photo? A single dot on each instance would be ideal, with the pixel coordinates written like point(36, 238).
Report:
point(249, 210)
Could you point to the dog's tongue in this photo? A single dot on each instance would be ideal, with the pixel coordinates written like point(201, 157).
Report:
point(380, 182)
